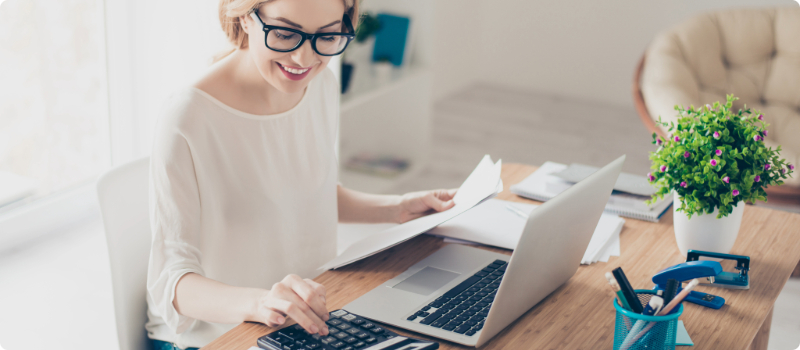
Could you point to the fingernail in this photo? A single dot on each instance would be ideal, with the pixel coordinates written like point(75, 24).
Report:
point(314, 329)
point(281, 320)
point(326, 330)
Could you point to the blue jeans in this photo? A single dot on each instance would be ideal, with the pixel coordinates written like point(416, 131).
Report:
point(162, 345)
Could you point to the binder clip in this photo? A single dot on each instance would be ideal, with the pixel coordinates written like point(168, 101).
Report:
point(735, 280)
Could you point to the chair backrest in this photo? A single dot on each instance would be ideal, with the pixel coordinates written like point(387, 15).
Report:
point(123, 195)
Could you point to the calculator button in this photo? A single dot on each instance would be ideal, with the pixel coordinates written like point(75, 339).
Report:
point(370, 340)
point(339, 313)
point(328, 340)
point(357, 322)
point(367, 325)
point(337, 345)
point(351, 340)
point(348, 317)
point(343, 326)
point(359, 344)
point(353, 330)
point(333, 322)
point(377, 330)
point(362, 335)
point(348, 348)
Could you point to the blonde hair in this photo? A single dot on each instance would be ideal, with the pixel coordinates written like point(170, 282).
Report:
point(230, 12)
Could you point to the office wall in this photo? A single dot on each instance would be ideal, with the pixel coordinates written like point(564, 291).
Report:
point(587, 49)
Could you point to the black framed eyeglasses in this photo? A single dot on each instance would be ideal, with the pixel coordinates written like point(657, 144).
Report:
point(283, 39)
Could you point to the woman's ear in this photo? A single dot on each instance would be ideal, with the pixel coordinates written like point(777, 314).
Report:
point(244, 22)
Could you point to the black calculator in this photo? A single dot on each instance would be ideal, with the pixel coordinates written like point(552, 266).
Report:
point(346, 332)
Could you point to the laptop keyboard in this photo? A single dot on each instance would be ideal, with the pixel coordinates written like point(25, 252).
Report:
point(346, 332)
point(463, 309)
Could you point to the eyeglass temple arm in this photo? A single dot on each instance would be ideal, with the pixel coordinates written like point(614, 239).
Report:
point(254, 16)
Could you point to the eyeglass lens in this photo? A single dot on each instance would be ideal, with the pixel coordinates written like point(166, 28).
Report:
point(278, 39)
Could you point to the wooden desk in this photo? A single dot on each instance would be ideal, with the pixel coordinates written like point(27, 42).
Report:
point(579, 314)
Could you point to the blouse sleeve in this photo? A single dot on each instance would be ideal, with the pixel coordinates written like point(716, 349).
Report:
point(174, 221)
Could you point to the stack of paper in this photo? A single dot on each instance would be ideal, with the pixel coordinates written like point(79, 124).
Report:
point(483, 183)
point(494, 223)
point(543, 185)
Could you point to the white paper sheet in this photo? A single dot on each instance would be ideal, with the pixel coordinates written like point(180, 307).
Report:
point(484, 182)
point(492, 223)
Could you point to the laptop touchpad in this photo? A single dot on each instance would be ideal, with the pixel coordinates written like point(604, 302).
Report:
point(426, 281)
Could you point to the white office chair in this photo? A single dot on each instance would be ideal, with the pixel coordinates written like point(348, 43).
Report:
point(123, 192)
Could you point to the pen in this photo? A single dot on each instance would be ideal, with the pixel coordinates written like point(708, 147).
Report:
point(679, 298)
point(627, 290)
point(620, 297)
point(670, 290)
point(652, 308)
point(516, 210)
point(664, 311)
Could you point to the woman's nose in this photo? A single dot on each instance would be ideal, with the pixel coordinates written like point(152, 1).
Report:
point(305, 55)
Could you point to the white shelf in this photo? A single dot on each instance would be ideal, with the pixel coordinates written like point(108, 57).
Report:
point(392, 115)
point(366, 87)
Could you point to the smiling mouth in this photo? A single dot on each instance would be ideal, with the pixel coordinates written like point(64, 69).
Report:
point(296, 71)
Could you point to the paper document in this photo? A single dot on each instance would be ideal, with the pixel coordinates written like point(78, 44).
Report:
point(483, 183)
point(493, 223)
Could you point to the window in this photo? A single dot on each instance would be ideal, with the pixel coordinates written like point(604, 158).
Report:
point(82, 84)
point(53, 97)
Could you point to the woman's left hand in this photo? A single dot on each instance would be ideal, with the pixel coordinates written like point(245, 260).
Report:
point(417, 204)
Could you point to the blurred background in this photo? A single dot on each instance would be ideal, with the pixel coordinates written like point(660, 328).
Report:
point(430, 86)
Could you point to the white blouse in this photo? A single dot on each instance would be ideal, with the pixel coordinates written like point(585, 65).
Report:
point(239, 198)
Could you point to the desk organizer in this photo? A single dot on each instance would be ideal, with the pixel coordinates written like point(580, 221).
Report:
point(661, 335)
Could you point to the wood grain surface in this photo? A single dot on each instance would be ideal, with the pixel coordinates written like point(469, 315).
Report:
point(580, 314)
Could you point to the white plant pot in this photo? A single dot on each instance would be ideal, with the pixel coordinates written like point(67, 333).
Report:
point(706, 232)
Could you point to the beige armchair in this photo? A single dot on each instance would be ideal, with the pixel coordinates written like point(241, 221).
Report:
point(751, 53)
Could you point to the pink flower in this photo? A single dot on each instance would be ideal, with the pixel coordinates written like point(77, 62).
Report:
point(686, 154)
point(756, 138)
point(791, 167)
point(726, 180)
point(716, 134)
point(767, 166)
point(658, 141)
point(708, 106)
point(783, 170)
point(677, 139)
point(713, 162)
point(650, 177)
point(735, 193)
point(765, 133)
point(663, 168)
point(719, 152)
point(760, 117)
point(758, 178)
point(683, 184)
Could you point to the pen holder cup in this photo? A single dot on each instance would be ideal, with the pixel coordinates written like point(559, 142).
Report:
point(634, 331)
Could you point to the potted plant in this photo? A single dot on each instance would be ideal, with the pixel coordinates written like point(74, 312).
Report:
point(714, 161)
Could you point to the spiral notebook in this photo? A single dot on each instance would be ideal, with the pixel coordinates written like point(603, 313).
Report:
point(542, 185)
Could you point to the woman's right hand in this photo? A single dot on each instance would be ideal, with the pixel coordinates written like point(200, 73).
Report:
point(301, 299)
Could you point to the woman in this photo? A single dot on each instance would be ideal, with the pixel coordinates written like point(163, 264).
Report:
point(244, 197)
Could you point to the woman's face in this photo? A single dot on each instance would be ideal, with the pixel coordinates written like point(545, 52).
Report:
point(291, 72)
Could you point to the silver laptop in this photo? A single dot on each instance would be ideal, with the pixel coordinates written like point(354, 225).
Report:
point(467, 295)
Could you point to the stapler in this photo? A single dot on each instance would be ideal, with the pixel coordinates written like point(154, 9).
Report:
point(735, 280)
point(690, 270)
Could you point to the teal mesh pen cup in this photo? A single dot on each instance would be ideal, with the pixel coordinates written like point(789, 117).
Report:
point(634, 331)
